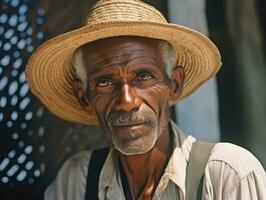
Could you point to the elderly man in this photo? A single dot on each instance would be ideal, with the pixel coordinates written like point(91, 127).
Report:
point(123, 70)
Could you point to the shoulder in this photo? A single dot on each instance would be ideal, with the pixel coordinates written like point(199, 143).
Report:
point(233, 170)
point(70, 181)
point(237, 158)
point(77, 164)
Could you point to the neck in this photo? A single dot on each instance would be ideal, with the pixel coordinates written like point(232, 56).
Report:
point(143, 171)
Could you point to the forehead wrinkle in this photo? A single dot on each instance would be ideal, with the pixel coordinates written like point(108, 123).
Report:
point(110, 61)
point(119, 44)
point(114, 61)
point(115, 48)
point(119, 65)
point(124, 53)
point(104, 50)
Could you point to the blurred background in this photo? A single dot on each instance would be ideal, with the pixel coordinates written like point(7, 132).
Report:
point(231, 107)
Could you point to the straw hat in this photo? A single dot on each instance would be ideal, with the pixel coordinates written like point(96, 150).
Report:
point(50, 73)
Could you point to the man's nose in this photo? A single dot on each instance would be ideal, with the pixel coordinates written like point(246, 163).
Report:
point(127, 99)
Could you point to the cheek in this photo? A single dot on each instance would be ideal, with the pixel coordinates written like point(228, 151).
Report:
point(101, 104)
point(156, 96)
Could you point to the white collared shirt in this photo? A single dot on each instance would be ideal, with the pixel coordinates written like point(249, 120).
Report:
point(231, 173)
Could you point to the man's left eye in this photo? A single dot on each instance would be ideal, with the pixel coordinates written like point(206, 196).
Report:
point(144, 76)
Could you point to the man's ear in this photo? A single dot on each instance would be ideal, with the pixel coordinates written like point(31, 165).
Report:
point(80, 93)
point(177, 83)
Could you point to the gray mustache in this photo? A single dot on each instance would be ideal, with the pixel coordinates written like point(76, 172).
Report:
point(126, 117)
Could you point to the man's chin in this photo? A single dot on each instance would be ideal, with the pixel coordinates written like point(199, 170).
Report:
point(131, 152)
point(126, 134)
point(136, 146)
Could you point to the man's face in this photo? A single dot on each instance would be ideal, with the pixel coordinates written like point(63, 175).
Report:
point(129, 90)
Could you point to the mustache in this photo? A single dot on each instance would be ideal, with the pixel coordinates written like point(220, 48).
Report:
point(127, 117)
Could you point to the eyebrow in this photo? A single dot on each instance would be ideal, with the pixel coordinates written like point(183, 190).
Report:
point(99, 76)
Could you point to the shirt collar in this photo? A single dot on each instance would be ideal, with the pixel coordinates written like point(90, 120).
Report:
point(177, 164)
point(110, 183)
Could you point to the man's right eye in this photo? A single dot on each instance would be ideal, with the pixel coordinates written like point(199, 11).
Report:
point(104, 83)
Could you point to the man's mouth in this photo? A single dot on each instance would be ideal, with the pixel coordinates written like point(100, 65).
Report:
point(128, 124)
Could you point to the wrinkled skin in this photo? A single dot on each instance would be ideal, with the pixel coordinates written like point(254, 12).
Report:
point(129, 91)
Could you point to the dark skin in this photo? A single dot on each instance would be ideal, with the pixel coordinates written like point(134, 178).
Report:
point(128, 75)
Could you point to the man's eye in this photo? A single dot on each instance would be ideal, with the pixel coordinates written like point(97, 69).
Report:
point(104, 83)
point(144, 76)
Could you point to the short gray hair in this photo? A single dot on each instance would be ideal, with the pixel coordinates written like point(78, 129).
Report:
point(166, 50)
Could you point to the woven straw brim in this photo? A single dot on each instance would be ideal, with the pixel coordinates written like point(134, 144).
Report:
point(50, 73)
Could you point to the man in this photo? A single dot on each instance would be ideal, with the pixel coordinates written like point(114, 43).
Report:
point(123, 70)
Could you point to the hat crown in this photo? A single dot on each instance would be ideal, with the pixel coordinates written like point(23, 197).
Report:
point(105, 11)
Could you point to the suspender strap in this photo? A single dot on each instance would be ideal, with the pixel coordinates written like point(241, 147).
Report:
point(94, 169)
point(194, 179)
point(198, 159)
